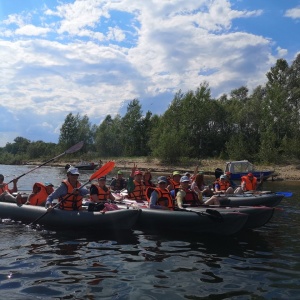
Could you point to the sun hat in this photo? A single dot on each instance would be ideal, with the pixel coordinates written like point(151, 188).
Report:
point(162, 179)
point(184, 179)
point(176, 173)
point(73, 171)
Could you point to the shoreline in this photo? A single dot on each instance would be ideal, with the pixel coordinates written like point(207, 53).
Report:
point(289, 172)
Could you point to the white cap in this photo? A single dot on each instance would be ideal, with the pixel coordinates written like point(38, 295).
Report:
point(73, 171)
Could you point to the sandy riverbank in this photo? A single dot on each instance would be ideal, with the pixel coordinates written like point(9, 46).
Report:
point(283, 172)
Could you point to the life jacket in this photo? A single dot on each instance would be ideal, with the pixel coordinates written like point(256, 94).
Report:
point(175, 184)
point(164, 198)
point(250, 184)
point(139, 191)
point(103, 195)
point(190, 198)
point(3, 188)
point(70, 201)
point(223, 184)
point(40, 197)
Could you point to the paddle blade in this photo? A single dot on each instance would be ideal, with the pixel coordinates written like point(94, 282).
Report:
point(285, 194)
point(75, 148)
point(106, 168)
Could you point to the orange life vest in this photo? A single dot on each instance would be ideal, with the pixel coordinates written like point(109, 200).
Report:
point(70, 201)
point(139, 191)
point(4, 188)
point(40, 197)
point(224, 184)
point(251, 185)
point(175, 184)
point(102, 194)
point(164, 198)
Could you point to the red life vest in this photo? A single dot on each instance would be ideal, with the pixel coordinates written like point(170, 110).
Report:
point(102, 194)
point(139, 191)
point(70, 201)
point(40, 197)
point(251, 185)
point(191, 197)
point(4, 188)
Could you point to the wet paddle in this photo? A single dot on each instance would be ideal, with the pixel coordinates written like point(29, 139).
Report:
point(99, 173)
point(73, 149)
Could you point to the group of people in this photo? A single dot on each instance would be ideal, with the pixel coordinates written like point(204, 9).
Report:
point(176, 191)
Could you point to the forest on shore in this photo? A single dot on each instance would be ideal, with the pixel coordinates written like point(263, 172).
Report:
point(261, 126)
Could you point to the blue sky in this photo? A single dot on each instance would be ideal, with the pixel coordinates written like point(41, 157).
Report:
point(94, 56)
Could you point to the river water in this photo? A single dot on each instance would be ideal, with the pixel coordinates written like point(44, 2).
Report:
point(258, 264)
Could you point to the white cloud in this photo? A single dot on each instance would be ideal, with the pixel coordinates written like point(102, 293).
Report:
point(93, 63)
point(32, 30)
point(293, 13)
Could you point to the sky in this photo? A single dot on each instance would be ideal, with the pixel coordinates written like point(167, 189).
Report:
point(93, 57)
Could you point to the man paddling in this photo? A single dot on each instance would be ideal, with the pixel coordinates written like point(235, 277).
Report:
point(68, 193)
point(6, 193)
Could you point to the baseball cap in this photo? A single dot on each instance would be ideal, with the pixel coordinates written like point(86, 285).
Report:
point(48, 184)
point(250, 174)
point(176, 173)
point(162, 179)
point(73, 171)
point(184, 179)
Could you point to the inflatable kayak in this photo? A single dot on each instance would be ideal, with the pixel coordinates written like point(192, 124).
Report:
point(257, 215)
point(200, 222)
point(265, 199)
point(112, 220)
point(248, 199)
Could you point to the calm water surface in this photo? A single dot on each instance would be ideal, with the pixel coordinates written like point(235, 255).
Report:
point(258, 264)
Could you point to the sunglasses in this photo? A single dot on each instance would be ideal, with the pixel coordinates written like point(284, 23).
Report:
point(74, 174)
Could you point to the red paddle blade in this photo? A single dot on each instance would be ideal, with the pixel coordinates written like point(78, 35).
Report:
point(106, 168)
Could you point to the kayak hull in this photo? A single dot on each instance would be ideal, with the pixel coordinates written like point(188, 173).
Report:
point(270, 200)
point(258, 216)
point(199, 222)
point(61, 219)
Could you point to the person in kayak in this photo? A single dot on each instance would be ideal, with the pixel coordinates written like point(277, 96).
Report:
point(160, 197)
point(68, 193)
point(185, 196)
point(6, 192)
point(119, 183)
point(99, 195)
point(174, 182)
point(135, 185)
point(250, 182)
point(40, 192)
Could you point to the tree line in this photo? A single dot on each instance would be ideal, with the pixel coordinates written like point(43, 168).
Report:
point(262, 126)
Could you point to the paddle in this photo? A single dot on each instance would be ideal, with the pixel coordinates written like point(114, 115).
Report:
point(73, 149)
point(99, 173)
point(211, 213)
